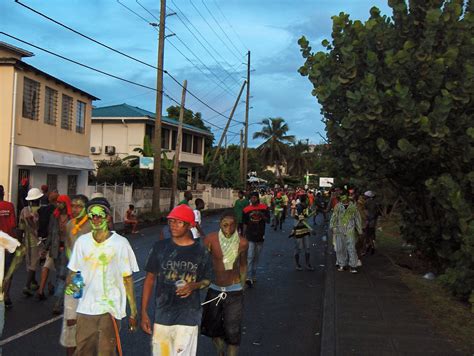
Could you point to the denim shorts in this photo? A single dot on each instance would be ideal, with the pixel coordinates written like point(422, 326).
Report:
point(224, 319)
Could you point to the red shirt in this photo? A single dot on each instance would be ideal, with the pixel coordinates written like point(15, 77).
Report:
point(7, 217)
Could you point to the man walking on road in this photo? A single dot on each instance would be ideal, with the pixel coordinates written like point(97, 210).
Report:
point(106, 262)
point(256, 216)
point(77, 226)
point(345, 221)
point(180, 267)
point(239, 206)
point(223, 309)
point(188, 196)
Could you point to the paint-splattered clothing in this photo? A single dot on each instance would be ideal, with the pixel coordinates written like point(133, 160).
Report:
point(103, 267)
point(170, 263)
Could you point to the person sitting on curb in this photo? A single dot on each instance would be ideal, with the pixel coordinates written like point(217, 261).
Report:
point(179, 267)
point(131, 218)
point(223, 308)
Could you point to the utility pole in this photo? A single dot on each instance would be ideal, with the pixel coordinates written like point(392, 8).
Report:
point(177, 152)
point(158, 110)
point(247, 106)
point(227, 124)
point(242, 177)
point(225, 145)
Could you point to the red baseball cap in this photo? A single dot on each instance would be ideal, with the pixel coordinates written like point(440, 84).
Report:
point(184, 213)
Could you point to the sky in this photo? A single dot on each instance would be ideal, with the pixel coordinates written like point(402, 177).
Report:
point(207, 45)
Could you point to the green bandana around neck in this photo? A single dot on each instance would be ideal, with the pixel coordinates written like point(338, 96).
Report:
point(230, 248)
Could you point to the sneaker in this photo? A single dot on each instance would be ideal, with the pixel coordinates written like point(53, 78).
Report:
point(309, 267)
point(353, 270)
point(27, 292)
point(359, 263)
point(340, 269)
point(299, 268)
point(249, 283)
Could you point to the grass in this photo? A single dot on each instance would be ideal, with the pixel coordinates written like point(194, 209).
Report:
point(450, 317)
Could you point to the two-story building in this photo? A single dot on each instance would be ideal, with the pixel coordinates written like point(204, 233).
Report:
point(118, 129)
point(45, 128)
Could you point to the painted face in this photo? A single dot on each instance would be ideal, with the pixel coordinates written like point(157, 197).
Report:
point(228, 226)
point(178, 228)
point(98, 218)
point(77, 208)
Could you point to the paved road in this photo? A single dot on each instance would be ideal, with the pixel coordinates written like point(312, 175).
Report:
point(282, 312)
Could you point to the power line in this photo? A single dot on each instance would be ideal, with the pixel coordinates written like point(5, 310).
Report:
point(194, 35)
point(116, 51)
point(101, 72)
point(218, 24)
point(164, 71)
point(228, 22)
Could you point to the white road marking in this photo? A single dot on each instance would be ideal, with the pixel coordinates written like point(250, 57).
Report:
point(40, 325)
point(30, 330)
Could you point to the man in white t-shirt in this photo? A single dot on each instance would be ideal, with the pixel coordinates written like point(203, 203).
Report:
point(197, 230)
point(6, 243)
point(106, 262)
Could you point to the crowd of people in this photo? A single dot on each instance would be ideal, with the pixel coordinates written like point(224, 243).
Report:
point(74, 235)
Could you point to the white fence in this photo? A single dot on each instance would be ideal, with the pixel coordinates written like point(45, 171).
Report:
point(121, 195)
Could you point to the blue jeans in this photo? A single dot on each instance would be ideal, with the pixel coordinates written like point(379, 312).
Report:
point(255, 248)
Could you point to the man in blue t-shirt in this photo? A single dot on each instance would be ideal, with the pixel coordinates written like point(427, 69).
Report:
point(180, 267)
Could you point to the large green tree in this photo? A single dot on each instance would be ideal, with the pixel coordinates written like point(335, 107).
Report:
point(397, 98)
point(193, 119)
point(275, 133)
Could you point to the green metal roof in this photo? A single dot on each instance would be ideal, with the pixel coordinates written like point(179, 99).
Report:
point(125, 110)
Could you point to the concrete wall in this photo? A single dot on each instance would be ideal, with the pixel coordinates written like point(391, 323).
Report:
point(121, 195)
point(124, 136)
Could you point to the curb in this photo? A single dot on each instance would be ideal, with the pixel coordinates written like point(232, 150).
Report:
point(328, 327)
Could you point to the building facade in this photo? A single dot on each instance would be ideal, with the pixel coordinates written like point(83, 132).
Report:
point(117, 130)
point(45, 128)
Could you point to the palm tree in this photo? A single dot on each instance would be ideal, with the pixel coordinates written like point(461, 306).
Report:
point(299, 162)
point(273, 150)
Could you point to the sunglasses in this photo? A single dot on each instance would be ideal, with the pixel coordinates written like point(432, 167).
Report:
point(96, 216)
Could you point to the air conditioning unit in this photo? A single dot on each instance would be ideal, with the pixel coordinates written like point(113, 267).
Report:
point(95, 150)
point(110, 150)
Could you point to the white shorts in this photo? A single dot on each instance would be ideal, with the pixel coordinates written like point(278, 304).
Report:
point(68, 333)
point(174, 340)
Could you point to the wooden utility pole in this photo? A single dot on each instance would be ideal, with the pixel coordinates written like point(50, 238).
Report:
point(158, 110)
point(241, 166)
point(228, 122)
point(247, 106)
point(177, 151)
point(225, 146)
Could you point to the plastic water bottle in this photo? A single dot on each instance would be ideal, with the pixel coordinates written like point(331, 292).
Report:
point(78, 282)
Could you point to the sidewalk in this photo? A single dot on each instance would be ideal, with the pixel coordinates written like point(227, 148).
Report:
point(371, 313)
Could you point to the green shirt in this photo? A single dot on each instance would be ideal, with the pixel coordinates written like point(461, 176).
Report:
point(184, 201)
point(239, 206)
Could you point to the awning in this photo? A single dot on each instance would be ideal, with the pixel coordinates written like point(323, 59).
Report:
point(27, 156)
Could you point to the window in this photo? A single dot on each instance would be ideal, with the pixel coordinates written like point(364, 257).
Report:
point(72, 185)
point(165, 138)
point(174, 138)
point(197, 145)
point(66, 112)
point(50, 106)
point(52, 182)
point(80, 117)
point(187, 145)
point(31, 91)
